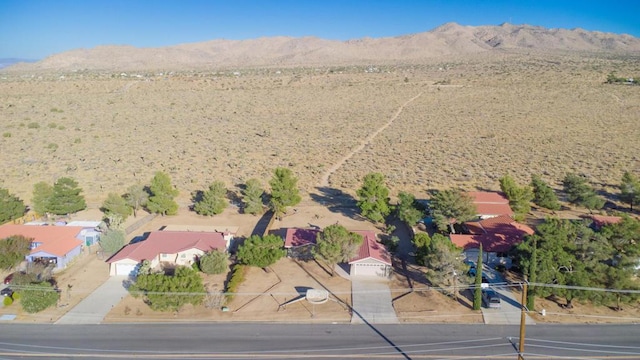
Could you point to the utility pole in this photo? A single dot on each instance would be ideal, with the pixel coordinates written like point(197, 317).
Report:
point(523, 318)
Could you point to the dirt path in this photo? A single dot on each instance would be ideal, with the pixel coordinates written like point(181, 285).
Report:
point(324, 182)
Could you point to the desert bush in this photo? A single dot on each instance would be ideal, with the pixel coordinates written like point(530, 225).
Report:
point(33, 125)
point(7, 301)
point(6, 134)
point(53, 125)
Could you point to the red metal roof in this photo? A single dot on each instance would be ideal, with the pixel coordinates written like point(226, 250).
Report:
point(54, 240)
point(370, 248)
point(170, 242)
point(300, 237)
point(497, 234)
point(491, 203)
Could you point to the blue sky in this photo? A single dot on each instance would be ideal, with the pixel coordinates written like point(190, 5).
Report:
point(34, 29)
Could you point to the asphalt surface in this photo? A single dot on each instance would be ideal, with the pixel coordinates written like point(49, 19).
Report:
point(93, 308)
point(273, 341)
point(371, 301)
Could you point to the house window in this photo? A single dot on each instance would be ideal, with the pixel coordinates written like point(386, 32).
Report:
point(164, 256)
point(183, 256)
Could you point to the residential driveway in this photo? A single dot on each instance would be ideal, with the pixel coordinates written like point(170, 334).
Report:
point(97, 305)
point(510, 310)
point(371, 300)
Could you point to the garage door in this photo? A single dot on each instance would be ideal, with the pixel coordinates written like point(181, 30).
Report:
point(125, 269)
point(368, 270)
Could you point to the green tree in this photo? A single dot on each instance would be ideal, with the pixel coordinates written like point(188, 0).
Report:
point(422, 244)
point(543, 194)
point(579, 192)
point(477, 291)
point(284, 191)
point(630, 189)
point(38, 296)
point(531, 273)
point(214, 262)
point(374, 198)
point(519, 196)
point(162, 196)
point(112, 241)
point(261, 251)
point(11, 207)
point(451, 206)
point(444, 262)
point(41, 194)
point(136, 197)
point(66, 197)
point(13, 250)
point(407, 210)
point(213, 201)
point(336, 244)
point(252, 197)
point(115, 204)
point(170, 293)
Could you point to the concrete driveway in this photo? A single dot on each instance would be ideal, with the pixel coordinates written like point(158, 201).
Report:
point(97, 305)
point(509, 312)
point(371, 300)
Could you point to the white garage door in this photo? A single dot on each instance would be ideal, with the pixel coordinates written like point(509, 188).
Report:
point(125, 269)
point(368, 269)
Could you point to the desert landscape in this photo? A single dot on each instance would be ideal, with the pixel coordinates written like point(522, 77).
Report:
point(460, 121)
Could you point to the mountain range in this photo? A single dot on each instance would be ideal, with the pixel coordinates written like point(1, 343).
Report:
point(448, 39)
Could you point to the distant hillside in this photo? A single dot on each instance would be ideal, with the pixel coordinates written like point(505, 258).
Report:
point(448, 39)
point(6, 62)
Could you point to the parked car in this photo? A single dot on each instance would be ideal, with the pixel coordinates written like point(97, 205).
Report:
point(472, 268)
point(7, 280)
point(6, 292)
point(491, 299)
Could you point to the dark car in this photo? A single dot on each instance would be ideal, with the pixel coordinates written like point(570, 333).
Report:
point(6, 292)
point(491, 299)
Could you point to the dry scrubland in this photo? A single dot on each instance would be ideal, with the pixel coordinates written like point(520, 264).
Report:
point(477, 118)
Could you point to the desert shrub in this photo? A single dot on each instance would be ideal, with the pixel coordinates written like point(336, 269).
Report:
point(7, 301)
point(37, 297)
point(56, 110)
point(52, 146)
point(7, 135)
point(77, 141)
point(53, 125)
point(237, 277)
point(214, 262)
point(61, 127)
point(33, 125)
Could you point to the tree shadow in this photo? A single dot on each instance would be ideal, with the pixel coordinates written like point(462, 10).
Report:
point(337, 201)
point(263, 224)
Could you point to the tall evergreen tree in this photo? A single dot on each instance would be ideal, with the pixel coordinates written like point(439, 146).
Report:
point(544, 195)
point(336, 244)
point(11, 207)
point(116, 204)
point(444, 262)
point(407, 210)
point(213, 201)
point(261, 251)
point(630, 189)
point(252, 197)
point(451, 206)
point(66, 197)
point(41, 195)
point(477, 291)
point(284, 190)
point(579, 192)
point(519, 196)
point(162, 196)
point(374, 198)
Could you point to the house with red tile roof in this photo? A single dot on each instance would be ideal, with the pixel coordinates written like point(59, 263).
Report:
point(165, 249)
point(490, 204)
point(372, 258)
point(497, 236)
point(56, 245)
point(602, 220)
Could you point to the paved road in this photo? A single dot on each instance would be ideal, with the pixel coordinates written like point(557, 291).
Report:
point(371, 301)
point(272, 341)
point(97, 305)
